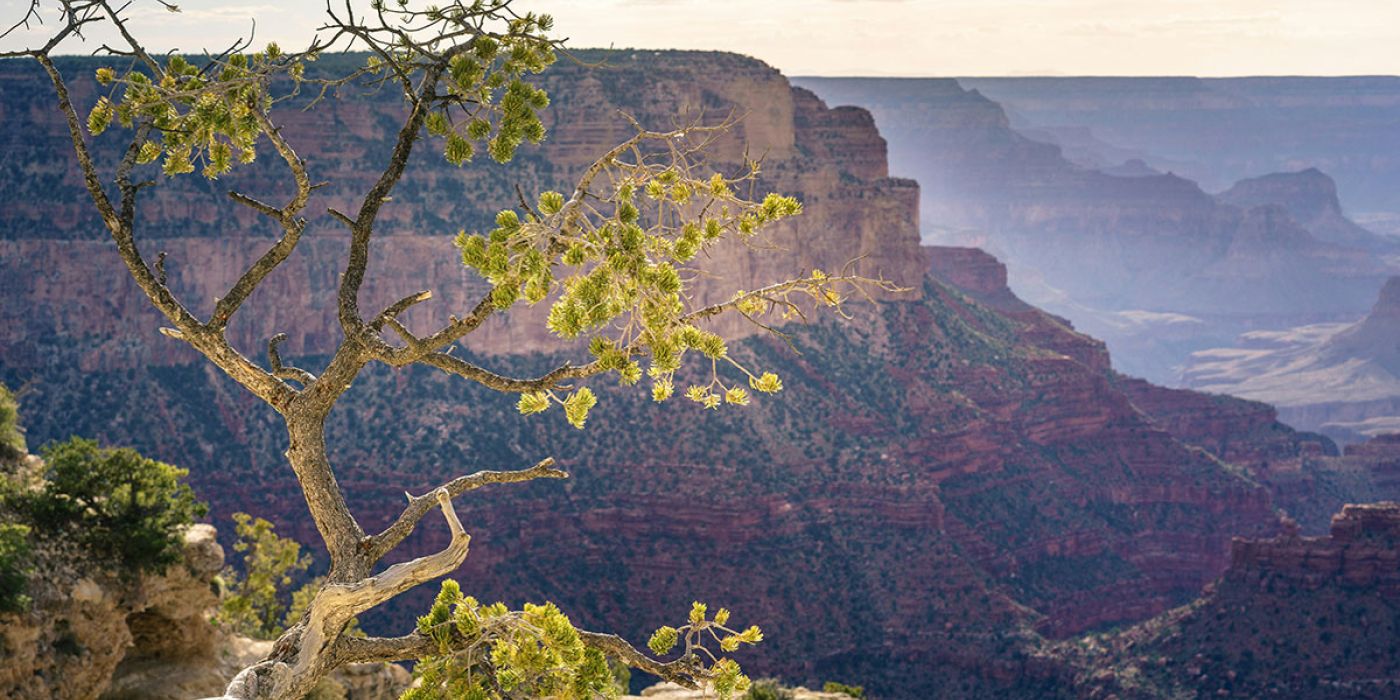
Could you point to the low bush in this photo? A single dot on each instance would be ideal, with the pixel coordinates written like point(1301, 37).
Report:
point(855, 691)
point(119, 505)
point(11, 435)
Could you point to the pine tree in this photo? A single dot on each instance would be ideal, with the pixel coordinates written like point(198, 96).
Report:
point(612, 260)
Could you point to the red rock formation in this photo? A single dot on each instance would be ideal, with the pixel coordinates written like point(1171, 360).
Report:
point(1298, 617)
point(1363, 550)
point(54, 256)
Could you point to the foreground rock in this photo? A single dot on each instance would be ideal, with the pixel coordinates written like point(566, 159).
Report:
point(93, 634)
point(671, 691)
point(85, 621)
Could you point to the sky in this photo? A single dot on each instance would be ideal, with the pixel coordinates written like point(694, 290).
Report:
point(906, 37)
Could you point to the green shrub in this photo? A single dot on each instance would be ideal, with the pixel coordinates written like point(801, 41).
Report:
point(11, 435)
point(116, 503)
point(14, 567)
point(855, 691)
point(768, 689)
point(257, 603)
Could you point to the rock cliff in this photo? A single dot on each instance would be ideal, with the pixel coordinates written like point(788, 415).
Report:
point(54, 255)
point(1296, 617)
point(85, 621)
point(97, 634)
point(1310, 197)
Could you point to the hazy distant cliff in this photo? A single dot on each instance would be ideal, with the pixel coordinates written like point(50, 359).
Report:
point(1148, 261)
point(1217, 131)
point(1339, 378)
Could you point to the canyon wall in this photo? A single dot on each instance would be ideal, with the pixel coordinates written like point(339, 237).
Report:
point(55, 256)
point(1314, 618)
point(1219, 130)
point(1342, 379)
point(947, 479)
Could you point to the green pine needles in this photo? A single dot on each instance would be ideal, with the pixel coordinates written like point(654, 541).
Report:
point(616, 264)
point(488, 652)
point(214, 118)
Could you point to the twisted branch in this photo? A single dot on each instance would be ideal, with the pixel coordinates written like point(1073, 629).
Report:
point(284, 371)
point(418, 506)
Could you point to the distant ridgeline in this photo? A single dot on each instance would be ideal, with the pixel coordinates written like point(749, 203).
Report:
point(1091, 190)
point(945, 482)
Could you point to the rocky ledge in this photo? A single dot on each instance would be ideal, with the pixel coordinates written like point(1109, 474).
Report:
point(1363, 550)
point(94, 634)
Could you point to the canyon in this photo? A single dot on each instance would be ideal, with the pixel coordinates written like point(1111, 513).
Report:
point(1144, 258)
point(951, 480)
point(1342, 379)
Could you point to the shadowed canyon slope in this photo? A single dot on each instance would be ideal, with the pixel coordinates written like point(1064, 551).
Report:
point(945, 481)
point(1147, 260)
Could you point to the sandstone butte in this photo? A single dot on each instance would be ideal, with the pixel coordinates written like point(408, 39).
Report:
point(947, 480)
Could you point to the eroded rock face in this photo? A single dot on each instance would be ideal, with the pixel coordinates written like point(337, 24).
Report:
point(1298, 617)
point(1363, 550)
point(1150, 262)
point(55, 256)
point(93, 634)
point(85, 621)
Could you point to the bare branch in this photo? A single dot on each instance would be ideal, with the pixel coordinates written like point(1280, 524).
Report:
point(119, 223)
point(686, 671)
point(136, 48)
point(292, 226)
point(362, 227)
point(284, 371)
point(75, 16)
point(485, 377)
point(419, 506)
point(257, 205)
point(30, 15)
point(398, 308)
point(341, 217)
